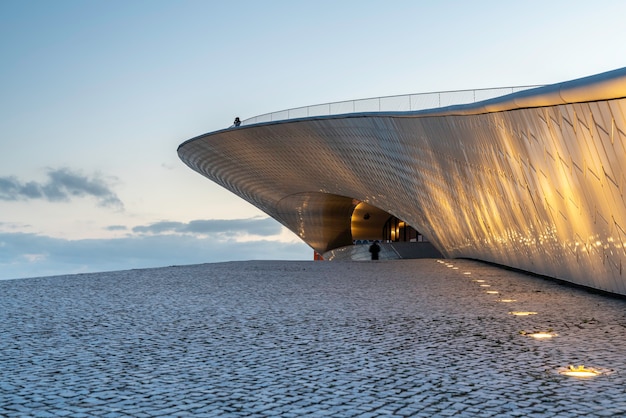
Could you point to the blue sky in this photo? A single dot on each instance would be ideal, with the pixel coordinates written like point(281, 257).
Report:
point(97, 96)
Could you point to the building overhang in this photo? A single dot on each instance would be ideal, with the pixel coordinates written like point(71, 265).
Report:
point(533, 180)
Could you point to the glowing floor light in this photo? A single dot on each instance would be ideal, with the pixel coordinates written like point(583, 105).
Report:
point(580, 371)
point(507, 300)
point(492, 292)
point(522, 313)
point(539, 335)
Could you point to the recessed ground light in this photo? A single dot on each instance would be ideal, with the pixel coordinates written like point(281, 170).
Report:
point(522, 313)
point(507, 300)
point(492, 292)
point(485, 285)
point(478, 281)
point(467, 272)
point(539, 335)
point(580, 371)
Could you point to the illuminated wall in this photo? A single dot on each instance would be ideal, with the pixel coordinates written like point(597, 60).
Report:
point(534, 180)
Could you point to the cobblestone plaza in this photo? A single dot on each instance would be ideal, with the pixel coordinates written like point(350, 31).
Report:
point(288, 339)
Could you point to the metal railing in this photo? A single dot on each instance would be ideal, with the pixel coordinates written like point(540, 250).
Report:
point(402, 103)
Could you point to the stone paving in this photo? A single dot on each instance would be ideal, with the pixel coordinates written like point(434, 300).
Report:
point(290, 339)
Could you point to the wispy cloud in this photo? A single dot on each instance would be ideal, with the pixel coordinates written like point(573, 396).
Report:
point(264, 227)
point(116, 228)
point(63, 185)
point(153, 245)
point(31, 255)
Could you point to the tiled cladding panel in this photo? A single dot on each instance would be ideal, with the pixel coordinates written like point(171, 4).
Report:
point(539, 189)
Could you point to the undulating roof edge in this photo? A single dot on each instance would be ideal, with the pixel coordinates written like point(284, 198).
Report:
point(604, 86)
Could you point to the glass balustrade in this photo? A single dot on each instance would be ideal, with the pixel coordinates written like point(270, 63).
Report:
point(402, 103)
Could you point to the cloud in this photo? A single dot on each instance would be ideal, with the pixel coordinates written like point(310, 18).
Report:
point(158, 244)
point(159, 227)
point(63, 185)
point(169, 166)
point(32, 255)
point(116, 228)
point(264, 227)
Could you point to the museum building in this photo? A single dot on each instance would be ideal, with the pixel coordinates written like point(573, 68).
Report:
point(529, 178)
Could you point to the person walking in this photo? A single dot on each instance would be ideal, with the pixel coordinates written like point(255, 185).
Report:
point(375, 249)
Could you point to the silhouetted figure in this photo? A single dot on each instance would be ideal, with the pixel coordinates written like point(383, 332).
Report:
point(375, 249)
point(237, 122)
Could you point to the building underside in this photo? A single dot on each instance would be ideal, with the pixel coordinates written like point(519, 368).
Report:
point(533, 180)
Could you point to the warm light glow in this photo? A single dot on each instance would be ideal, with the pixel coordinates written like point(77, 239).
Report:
point(522, 313)
point(467, 272)
point(479, 281)
point(492, 292)
point(580, 371)
point(507, 300)
point(539, 335)
point(485, 285)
